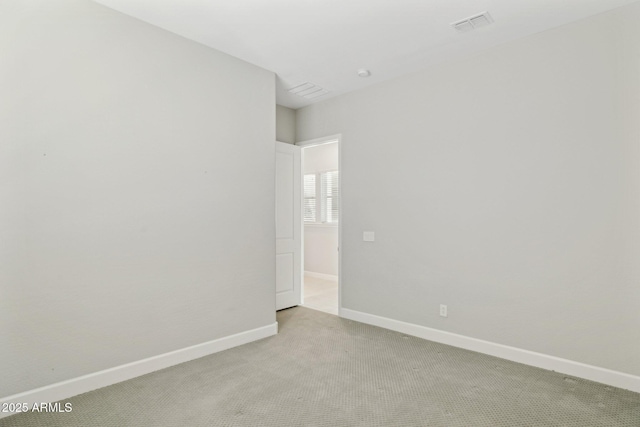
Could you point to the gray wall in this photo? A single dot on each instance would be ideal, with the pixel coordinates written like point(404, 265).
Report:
point(506, 185)
point(121, 237)
point(285, 124)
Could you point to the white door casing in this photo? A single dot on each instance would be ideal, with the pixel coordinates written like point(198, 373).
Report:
point(288, 226)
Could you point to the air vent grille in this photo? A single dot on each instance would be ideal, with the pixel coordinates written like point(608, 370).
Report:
point(308, 90)
point(471, 23)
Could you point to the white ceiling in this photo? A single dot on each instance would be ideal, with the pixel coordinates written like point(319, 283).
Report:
point(326, 41)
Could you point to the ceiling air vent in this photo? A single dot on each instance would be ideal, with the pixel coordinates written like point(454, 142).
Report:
point(471, 23)
point(308, 90)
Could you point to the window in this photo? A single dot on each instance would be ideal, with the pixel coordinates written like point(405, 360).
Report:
point(310, 198)
point(329, 197)
point(321, 197)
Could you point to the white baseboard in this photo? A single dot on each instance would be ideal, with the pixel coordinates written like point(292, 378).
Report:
point(321, 276)
point(539, 360)
point(96, 380)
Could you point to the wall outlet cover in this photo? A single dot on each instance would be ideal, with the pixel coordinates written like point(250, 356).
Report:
point(443, 310)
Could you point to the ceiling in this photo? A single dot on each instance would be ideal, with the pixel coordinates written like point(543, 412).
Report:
point(325, 42)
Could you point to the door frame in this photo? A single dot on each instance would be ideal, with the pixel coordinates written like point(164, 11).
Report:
point(312, 143)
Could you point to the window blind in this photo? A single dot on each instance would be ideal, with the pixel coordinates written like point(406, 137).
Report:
point(310, 210)
point(330, 196)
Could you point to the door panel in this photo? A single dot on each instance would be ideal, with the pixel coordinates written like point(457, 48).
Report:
point(284, 273)
point(288, 226)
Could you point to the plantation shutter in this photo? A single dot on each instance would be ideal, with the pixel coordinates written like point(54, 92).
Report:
point(330, 196)
point(310, 202)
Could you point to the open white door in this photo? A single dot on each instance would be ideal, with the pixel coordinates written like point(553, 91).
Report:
point(288, 226)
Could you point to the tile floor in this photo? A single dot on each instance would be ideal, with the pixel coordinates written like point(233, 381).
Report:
point(321, 294)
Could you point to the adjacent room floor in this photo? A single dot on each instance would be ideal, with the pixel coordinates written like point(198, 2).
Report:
point(320, 294)
point(322, 370)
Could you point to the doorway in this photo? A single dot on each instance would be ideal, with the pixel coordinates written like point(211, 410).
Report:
point(321, 215)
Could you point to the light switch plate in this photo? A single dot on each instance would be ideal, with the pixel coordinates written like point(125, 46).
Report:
point(369, 236)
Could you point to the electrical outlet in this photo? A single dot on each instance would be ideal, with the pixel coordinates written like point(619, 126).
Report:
point(443, 310)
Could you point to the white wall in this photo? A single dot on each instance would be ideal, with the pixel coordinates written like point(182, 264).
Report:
point(321, 240)
point(321, 158)
point(285, 124)
point(137, 204)
point(506, 185)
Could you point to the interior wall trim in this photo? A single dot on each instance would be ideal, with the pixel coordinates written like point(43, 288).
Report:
point(322, 276)
point(539, 360)
point(73, 387)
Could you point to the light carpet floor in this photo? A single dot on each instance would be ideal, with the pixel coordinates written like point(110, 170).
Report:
point(321, 370)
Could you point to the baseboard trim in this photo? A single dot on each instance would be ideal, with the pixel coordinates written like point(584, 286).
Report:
point(539, 360)
point(321, 276)
point(96, 380)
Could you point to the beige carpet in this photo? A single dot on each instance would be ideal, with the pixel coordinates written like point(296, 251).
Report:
point(321, 370)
